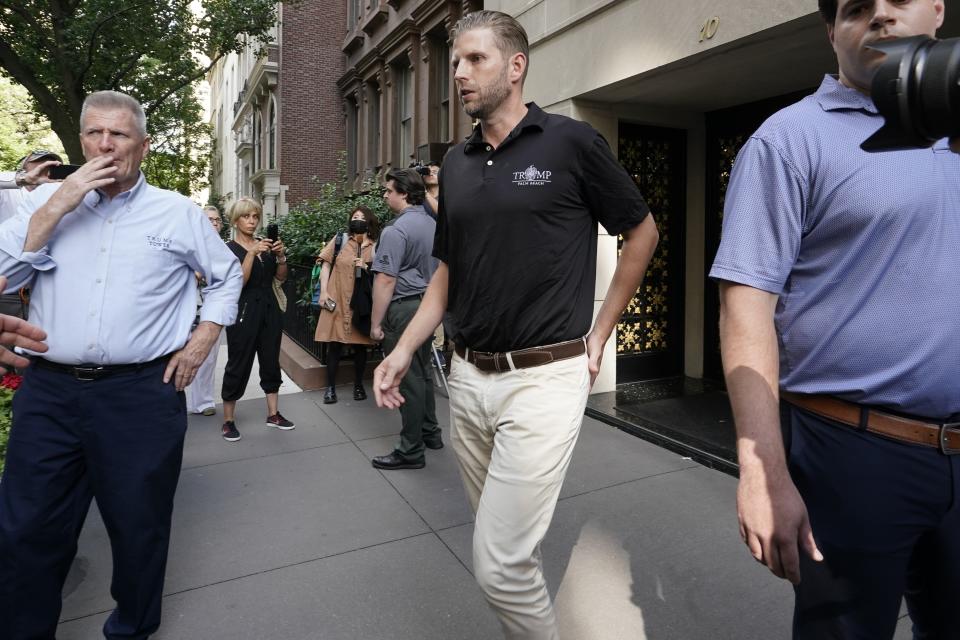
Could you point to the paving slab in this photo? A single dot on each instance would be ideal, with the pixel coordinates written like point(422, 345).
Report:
point(204, 444)
point(413, 588)
point(658, 558)
point(242, 517)
point(605, 456)
point(435, 492)
point(363, 420)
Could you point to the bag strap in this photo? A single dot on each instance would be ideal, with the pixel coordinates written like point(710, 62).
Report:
point(339, 241)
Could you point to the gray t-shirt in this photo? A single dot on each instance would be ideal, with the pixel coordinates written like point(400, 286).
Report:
point(405, 250)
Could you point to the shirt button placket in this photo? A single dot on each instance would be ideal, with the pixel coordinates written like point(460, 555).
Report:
point(97, 300)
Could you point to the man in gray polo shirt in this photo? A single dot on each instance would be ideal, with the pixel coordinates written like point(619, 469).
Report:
point(403, 267)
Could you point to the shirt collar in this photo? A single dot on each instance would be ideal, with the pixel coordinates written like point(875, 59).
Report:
point(835, 96)
point(535, 120)
point(97, 197)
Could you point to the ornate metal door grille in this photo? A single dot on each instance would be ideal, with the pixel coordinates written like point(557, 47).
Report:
point(650, 333)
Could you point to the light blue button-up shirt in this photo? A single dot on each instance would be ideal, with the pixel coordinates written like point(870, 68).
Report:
point(115, 284)
point(861, 249)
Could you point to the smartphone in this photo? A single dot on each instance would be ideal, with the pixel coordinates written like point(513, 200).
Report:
point(61, 171)
point(273, 232)
point(329, 304)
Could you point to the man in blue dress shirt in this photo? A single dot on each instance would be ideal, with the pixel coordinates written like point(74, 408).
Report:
point(111, 261)
point(839, 283)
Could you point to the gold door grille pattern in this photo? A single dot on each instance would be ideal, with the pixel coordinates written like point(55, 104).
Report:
point(729, 148)
point(643, 329)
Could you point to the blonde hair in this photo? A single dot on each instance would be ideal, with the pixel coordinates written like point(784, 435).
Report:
point(242, 207)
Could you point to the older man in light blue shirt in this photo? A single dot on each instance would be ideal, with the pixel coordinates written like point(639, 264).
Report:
point(111, 261)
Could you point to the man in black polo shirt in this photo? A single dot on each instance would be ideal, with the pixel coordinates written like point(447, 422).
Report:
point(516, 237)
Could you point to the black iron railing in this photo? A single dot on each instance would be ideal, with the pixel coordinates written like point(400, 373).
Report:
point(300, 321)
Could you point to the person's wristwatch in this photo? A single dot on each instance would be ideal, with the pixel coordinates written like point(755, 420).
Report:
point(282, 260)
point(20, 178)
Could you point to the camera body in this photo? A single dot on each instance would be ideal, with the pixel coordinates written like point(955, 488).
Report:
point(916, 89)
point(422, 169)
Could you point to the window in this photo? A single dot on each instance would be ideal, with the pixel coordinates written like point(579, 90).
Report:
point(353, 113)
point(440, 78)
point(272, 135)
point(354, 12)
point(404, 133)
point(373, 125)
point(257, 135)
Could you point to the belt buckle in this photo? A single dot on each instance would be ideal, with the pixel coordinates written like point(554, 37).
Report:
point(86, 374)
point(946, 428)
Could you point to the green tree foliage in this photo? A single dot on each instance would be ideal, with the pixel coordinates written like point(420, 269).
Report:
point(21, 130)
point(155, 50)
point(312, 223)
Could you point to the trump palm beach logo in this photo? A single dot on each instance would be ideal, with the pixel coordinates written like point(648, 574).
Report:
point(531, 177)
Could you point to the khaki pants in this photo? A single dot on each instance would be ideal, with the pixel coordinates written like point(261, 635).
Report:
point(513, 434)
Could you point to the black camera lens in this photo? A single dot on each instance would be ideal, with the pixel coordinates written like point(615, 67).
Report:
point(423, 170)
point(917, 90)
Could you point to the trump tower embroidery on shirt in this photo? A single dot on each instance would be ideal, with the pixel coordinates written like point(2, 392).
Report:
point(531, 177)
point(158, 242)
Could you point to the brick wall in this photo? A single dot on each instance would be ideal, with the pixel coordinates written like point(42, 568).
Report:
point(312, 131)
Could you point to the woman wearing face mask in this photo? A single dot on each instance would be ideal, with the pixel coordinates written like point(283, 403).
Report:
point(337, 278)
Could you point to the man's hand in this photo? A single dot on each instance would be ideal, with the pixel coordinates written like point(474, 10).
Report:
point(594, 355)
point(40, 174)
point(15, 332)
point(376, 333)
point(774, 522)
point(97, 173)
point(183, 364)
point(387, 377)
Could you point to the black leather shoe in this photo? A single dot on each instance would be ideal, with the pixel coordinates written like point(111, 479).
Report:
point(433, 444)
point(359, 393)
point(330, 397)
point(395, 461)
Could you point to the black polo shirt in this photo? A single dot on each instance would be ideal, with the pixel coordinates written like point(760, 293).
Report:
point(517, 228)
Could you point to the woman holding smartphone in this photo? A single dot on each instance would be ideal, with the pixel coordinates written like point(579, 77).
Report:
point(337, 278)
point(259, 324)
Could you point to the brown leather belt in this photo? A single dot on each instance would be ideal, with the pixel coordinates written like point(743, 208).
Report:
point(522, 358)
point(944, 436)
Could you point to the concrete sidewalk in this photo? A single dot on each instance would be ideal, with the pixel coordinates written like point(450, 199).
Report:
point(294, 535)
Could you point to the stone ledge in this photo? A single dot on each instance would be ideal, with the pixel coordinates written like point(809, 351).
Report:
point(309, 373)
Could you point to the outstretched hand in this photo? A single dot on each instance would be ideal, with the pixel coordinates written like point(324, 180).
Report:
point(15, 332)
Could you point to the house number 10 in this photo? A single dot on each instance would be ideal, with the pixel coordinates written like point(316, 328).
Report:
point(709, 28)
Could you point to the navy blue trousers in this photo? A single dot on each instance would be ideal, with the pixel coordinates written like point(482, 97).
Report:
point(119, 440)
point(886, 516)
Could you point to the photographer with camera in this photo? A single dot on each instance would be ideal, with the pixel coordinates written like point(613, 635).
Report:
point(259, 326)
point(839, 282)
point(430, 172)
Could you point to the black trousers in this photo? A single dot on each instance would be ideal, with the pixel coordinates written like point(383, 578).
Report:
point(257, 332)
point(118, 439)
point(886, 516)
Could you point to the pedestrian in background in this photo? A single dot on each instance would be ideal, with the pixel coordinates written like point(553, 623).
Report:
point(404, 267)
point(344, 259)
point(199, 393)
point(32, 170)
point(259, 327)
